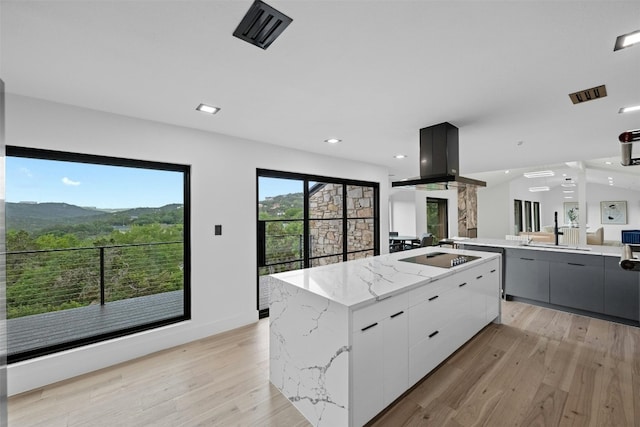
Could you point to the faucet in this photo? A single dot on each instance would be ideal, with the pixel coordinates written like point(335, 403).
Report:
point(556, 232)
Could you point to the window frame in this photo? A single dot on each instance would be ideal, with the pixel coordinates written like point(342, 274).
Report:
point(307, 178)
point(54, 155)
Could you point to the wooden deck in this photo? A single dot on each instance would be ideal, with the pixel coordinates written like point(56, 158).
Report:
point(43, 330)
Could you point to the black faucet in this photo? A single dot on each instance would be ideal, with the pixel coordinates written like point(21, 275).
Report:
point(556, 232)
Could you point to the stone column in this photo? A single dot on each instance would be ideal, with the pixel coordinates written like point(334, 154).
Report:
point(467, 210)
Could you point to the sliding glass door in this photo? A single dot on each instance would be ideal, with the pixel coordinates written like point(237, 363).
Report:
point(308, 221)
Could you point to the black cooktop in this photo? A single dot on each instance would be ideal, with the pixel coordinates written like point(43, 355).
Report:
point(440, 259)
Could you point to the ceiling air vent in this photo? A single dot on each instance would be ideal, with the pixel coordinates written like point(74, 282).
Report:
point(261, 25)
point(588, 94)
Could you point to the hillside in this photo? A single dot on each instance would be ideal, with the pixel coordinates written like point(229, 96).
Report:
point(280, 206)
point(34, 217)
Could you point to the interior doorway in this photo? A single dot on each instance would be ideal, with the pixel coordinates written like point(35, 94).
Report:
point(437, 218)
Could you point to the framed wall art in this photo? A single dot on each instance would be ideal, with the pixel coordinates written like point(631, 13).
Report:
point(613, 212)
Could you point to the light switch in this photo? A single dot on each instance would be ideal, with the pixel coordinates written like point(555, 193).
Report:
point(218, 230)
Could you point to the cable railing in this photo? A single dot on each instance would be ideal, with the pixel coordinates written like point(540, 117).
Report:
point(42, 281)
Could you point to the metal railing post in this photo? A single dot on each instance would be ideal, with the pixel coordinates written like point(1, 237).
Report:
point(102, 275)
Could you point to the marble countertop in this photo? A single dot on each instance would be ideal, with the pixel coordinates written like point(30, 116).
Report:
point(361, 282)
point(580, 249)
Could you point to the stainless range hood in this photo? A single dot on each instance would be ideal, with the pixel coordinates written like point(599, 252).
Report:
point(438, 160)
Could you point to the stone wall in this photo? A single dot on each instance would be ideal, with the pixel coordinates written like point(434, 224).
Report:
point(325, 225)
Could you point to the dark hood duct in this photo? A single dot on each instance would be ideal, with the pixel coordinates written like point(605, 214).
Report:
point(438, 159)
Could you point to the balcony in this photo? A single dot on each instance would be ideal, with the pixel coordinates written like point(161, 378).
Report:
point(62, 298)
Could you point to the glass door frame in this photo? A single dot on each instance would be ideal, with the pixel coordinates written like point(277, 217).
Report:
point(267, 173)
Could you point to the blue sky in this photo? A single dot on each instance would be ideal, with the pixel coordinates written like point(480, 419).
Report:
point(269, 187)
point(83, 184)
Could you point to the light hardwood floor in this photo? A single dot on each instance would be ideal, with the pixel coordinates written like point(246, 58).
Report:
point(539, 368)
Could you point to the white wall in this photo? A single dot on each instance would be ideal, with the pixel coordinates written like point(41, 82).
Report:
point(408, 209)
point(495, 210)
point(223, 191)
point(402, 212)
point(600, 193)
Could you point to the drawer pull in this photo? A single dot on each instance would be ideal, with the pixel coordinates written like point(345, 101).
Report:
point(368, 327)
point(479, 277)
point(527, 259)
point(433, 297)
point(462, 284)
point(575, 263)
point(397, 314)
point(493, 271)
point(433, 334)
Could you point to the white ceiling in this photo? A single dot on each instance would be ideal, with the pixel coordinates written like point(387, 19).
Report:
point(371, 73)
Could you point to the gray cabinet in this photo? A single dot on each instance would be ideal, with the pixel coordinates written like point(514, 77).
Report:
point(527, 274)
point(621, 290)
point(577, 281)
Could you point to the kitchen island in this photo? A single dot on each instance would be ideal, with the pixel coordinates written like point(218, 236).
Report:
point(348, 339)
point(580, 279)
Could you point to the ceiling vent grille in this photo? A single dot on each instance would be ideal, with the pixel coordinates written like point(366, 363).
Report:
point(261, 25)
point(588, 94)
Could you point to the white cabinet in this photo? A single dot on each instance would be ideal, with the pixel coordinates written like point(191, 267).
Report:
point(399, 340)
point(379, 356)
point(445, 314)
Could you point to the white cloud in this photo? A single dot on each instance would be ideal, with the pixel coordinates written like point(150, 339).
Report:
point(26, 172)
point(67, 181)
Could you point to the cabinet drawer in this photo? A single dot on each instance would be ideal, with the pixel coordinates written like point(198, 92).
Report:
point(431, 351)
point(430, 314)
point(378, 311)
point(429, 290)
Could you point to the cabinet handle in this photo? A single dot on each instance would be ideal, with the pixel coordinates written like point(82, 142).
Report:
point(575, 263)
point(479, 277)
point(527, 259)
point(434, 297)
point(493, 271)
point(368, 327)
point(462, 284)
point(433, 334)
point(397, 314)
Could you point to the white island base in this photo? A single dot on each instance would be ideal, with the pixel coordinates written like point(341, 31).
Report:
point(348, 339)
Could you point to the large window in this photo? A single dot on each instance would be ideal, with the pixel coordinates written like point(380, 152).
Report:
point(308, 221)
point(97, 247)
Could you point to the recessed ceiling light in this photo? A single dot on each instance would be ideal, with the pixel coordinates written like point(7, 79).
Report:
point(400, 156)
point(568, 197)
point(568, 184)
point(607, 163)
point(332, 140)
point(507, 171)
point(629, 109)
point(611, 183)
point(627, 40)
point(564, 174)
point(609, 178)
point(567, 191)
point(539, 174)
point(207, 109)
point(536, 189)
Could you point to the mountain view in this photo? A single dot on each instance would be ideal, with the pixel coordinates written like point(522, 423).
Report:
point(42, 218)
point(282, 206)
point(56, 251)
